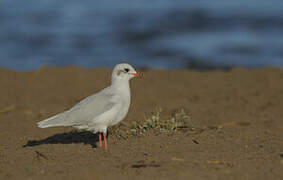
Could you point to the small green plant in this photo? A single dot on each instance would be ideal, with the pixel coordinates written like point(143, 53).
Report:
point(156, 121)
point(153, 121)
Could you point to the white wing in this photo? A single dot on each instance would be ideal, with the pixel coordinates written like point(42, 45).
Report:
point(84, 112)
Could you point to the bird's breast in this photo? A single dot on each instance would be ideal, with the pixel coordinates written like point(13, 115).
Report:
point(124, 106)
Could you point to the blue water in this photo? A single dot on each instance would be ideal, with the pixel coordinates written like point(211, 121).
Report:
point(157, 34)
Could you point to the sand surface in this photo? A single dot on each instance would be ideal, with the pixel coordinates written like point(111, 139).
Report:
point(240, 112)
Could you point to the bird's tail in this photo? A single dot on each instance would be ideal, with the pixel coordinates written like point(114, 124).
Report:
point(52, 121)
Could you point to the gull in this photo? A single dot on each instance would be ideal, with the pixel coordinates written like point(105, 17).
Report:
point(98, 111)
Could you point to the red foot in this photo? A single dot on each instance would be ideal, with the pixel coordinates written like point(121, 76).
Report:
point(105, 141)
point(100, 141)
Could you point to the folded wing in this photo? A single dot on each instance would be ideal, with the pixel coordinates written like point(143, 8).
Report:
point(82, 113)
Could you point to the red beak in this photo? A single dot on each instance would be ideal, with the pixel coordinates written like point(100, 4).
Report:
point(137, 74)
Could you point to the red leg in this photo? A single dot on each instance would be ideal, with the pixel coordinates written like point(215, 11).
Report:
point(100, 141)
point(105, 140)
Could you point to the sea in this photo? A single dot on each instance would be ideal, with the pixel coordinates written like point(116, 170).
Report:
point(165, 34)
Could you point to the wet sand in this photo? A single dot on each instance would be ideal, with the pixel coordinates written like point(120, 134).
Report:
point(240, 113)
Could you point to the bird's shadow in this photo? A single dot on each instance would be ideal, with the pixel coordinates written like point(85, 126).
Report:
point(67, 138)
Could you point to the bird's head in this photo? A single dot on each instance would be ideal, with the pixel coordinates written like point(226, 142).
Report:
point(124, 71)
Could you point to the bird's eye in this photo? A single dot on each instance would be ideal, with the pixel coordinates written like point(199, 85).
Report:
point(127, 70)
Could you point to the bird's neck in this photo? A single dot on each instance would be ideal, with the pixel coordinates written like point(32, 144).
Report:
point(121, 85)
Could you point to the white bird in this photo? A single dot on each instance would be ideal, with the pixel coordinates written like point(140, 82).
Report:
point(98, 111)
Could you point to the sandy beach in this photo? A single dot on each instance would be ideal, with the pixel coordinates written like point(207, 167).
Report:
point(235, 129)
